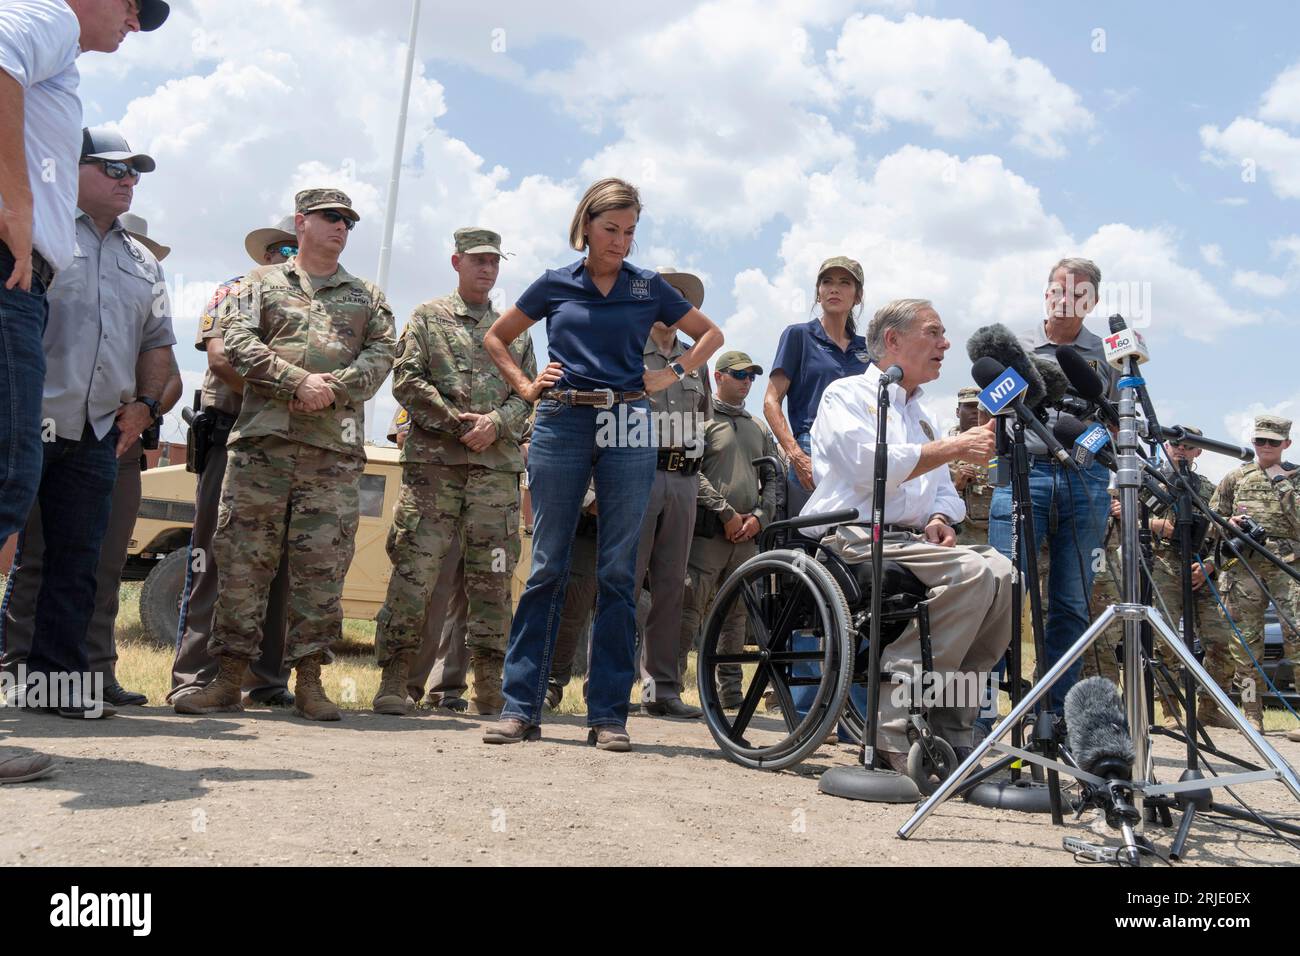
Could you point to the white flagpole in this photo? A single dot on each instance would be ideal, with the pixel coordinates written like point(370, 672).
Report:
point(390, 214)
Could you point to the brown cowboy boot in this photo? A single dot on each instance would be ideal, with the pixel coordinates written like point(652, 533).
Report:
point(309, 696)
point(223, 694)
point(485, 696)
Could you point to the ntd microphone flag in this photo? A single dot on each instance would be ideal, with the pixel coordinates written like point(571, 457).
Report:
point(998, 396)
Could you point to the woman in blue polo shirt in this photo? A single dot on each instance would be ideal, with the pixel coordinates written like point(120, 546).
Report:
point(592, 418)
point(809, 357)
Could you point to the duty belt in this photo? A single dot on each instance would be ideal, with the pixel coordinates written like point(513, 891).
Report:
point(600, 398)
point(676, 459)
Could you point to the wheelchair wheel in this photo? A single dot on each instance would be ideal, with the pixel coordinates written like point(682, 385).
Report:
point(929, 770)
point(798, 641)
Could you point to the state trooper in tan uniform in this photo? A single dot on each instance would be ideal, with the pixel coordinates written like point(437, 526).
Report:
point(221, 399)
point(735, 501)
point(971, 479)
point(679, 412)
point(443, 654)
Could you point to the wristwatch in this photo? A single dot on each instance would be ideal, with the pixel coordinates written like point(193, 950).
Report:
point(150, 404)
point(678, 369)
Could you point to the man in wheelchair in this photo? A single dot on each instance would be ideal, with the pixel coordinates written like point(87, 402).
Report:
point(968, 588)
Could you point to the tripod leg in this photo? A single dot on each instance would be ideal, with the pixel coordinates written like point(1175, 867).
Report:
point(1208, 684)
point(1012, 720)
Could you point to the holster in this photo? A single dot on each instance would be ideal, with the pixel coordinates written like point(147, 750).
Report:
point(707, 523)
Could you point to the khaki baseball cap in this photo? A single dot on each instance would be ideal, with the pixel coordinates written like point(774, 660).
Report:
point(738, 361)
point(282, 232)
point(472, 239)
point(137, 228)
point(842, 262)
point(968, 395)
point(688, 284)
point(317, 200)
point(1272, 426)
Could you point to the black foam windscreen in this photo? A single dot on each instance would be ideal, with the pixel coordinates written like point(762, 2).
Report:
point(1067, 430)
point(1000, 343)
point(1098, 729)
point(1117, 323)
point(1055, 384)
point(1080, 374)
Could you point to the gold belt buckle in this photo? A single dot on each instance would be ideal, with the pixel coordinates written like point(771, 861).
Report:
point(675, 461)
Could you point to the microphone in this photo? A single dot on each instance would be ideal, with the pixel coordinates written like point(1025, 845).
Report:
point(999, 343)
point(1125, 347)
point(1089, 443)
point(1101, 745)
point(892, 375)
point(1086, 382)
point(986, 371)
point(1055, 384)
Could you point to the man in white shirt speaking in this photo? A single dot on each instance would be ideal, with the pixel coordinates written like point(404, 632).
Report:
point(969, 588)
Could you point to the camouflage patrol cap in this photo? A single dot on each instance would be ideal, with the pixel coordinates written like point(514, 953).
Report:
point(737, 361)
point(969, 395)
point(842, 262)
point(317, 200)
point(471, 239)
point(1272, 426)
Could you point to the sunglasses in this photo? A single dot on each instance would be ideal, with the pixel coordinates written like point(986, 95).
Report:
point(1269, 442)
point(330, 216)
point(114, 169)
point(742, 376)
point(285, 251)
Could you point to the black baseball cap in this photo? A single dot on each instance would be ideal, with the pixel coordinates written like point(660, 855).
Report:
point(152, 14)
point(102, 143)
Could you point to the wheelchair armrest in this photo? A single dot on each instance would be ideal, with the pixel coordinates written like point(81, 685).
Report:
point(804, 521)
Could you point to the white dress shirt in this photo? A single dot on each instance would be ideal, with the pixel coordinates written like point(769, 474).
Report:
point(844, 456)
point(38, 48)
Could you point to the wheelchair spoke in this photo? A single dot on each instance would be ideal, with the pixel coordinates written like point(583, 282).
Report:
point(749, 704)
point(739, 658)
point(754, 612)
point(787, 700)
point(797, 657)
point(781, 630)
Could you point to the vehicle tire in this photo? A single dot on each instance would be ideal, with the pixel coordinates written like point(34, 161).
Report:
point(160, 598)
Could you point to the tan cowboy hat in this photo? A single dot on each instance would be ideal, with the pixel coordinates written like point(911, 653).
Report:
point(255, 242)
point(138, 229)
point(689, 285)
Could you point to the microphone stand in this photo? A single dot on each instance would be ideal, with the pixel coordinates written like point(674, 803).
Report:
point(1133, 615)
point(866, 781)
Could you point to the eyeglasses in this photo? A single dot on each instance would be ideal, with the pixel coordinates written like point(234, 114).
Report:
point(285, 251)
point(1269, 442)
point(330, 216)
point(741, 376)
point(114, 169)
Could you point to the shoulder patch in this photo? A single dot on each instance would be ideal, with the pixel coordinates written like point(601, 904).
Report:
point(209, 320)
point(925, 427)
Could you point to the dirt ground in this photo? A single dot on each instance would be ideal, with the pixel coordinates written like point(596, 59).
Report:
point(264, 788)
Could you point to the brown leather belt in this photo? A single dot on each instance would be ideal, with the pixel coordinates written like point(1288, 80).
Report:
point(601, 398)
point(41, 269)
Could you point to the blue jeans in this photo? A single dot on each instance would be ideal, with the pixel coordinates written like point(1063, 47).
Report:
point(1070, 510)
point(22, 379)
point(76, 496)
point(562, 458)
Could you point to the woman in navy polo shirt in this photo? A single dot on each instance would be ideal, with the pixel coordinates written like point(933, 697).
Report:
point(592, 418)
point(809, 357)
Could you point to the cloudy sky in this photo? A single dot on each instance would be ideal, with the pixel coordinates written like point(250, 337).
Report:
point(956, 149)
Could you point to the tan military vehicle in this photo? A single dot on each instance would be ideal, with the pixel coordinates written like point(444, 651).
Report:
point(159, 551)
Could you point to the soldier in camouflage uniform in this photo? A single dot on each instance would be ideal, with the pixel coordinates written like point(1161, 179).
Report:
point(460, 476)
point(1267, 490)
point(313, 344)
point(971, 479)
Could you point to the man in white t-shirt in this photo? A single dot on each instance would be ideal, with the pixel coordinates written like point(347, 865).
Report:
point(40, 148)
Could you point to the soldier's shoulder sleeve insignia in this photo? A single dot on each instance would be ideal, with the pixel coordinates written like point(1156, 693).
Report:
point(208, 321)
point(925, 427)
point(402, 346)
point(403, 416)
